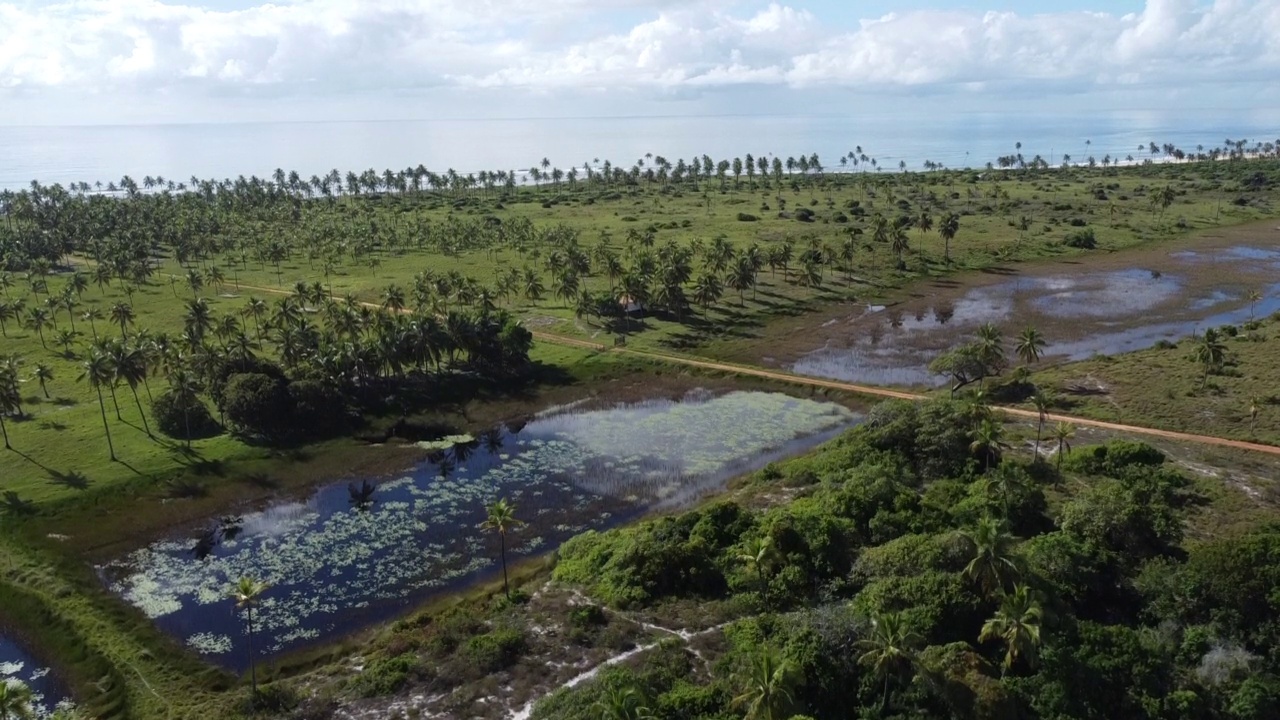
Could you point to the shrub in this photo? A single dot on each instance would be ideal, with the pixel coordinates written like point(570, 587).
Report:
point(804, 215)
point(496, 650)
point(386, 675)
point(174, 419)
point(318, 409)
point(747, 217)
point(1082, 239)
point(258, 404)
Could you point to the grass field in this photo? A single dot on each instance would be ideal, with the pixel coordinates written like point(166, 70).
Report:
point(1165, 387)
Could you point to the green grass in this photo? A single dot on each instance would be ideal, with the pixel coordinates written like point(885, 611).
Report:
point(1164, 387)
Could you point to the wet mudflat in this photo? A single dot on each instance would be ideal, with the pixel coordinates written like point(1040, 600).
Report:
point(359, 552)
point(1099, 304)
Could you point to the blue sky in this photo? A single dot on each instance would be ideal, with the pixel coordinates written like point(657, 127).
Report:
point(146, 60)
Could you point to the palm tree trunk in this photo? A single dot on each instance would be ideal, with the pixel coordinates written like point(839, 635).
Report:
point(5, 430)
point(138, 402)
point(106, 428)
point(506, 587)
point(1039, 431)
point(114, 404)
point(253, 665)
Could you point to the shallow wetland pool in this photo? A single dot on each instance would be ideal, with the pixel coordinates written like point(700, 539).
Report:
point(18, 665)
point(358, 552)
point(1097, 304)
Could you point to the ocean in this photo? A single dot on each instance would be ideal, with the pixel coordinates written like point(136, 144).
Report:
point(176, 152)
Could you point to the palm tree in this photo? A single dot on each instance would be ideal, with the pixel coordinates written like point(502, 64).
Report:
point(66, 338)
point(130, 365)
point(623, 703)
point(948, 228)
point(988, 439)
point(6, 313)
point(393, 299)
point(706, 291)
point(1063, 433)
point(15, 701)
point(1210, 353)
point(43, 374)
point(98, 371)
point(247, 592)
point(502, 517)
point(1017, 625)
point(890, 649)
point(10, 402)
point(92, 316)
point(994, 563)
point(1255, 405)
point(38, 320)
point(767, 684)
point(122, 315)
point(760, 554)
point(1042, 401)
point(1030, 346)
point(1253, 296)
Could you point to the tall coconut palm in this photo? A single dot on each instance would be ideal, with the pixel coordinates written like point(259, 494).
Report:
point(130, 366)
point(1253, 296)
point(502, 517)
point(97, 371)
point(890, 649)
point(1017, 625)
point(92, 316)
point(1030, 346)
point(122, 315)
point(247, 593)
point(948, 228)
point(1210, 353)
point(766, 686)
point(43, 374)
point(6, 313)
point(1042, 400)
point(16, 701)
point(1063, 434)
point(994, 564)
point(38, 320)
point(10, 402)
point(1255, 405)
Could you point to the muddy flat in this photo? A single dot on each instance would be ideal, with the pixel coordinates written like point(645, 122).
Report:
point(1103, 303)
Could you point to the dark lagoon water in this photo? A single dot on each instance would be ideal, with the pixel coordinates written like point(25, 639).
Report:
point(1081, 314)
point(355, 553)
point(19, 666)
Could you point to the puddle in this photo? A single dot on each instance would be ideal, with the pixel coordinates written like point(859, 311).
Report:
point(1081, 314)
point(18, 666)
point(358, 553)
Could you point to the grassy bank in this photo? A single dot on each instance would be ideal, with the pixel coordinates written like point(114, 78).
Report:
point(1167, 386)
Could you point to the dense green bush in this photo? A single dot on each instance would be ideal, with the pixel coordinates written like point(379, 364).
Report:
point(496, 649)
point(258, 404)
point(190, 420)
point(385, 676)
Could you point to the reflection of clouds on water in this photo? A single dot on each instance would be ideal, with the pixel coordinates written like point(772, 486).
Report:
point(1081, 315)
point(334, 565)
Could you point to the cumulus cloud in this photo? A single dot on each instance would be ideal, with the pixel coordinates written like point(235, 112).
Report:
point(325, 46)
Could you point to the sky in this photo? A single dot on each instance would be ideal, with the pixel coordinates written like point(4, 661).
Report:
point(148, 61)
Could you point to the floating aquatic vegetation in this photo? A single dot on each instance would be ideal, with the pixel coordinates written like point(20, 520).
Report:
point(354, 554)
point(447, 442)
point(209, 644)
point(17, 667)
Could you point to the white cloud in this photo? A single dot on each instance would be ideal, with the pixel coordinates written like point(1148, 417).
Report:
point(330, 46)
